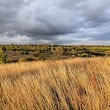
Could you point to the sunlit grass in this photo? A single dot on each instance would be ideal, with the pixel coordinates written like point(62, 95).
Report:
point(73, 84)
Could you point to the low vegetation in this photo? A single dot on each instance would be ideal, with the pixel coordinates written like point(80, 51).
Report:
point(73, 84)
point(14, 53)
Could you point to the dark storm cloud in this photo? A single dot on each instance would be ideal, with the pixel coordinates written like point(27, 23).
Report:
point(54, 20)
point(48, 18)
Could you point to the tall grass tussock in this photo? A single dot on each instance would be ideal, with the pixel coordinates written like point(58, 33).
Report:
point(72, 84)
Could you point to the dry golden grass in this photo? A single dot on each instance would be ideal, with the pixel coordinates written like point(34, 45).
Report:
point(73, 84)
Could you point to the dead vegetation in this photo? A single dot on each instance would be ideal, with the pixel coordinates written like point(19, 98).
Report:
point(73, 84)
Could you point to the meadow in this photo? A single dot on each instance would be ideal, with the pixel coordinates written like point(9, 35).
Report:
point(71, 84)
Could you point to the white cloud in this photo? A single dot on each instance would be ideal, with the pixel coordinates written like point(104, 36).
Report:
point(18, 39)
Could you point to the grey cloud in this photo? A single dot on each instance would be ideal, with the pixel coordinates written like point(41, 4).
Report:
point(95, 10)
point(48, 19)
point(45, 20)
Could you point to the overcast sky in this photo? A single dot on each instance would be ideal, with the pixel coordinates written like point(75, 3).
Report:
point(60, 21)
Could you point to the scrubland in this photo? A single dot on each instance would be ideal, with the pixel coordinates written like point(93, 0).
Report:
point(72, 84)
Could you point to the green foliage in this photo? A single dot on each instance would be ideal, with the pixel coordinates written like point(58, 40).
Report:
point(65, 51)
point(98, 53)
point(25, 52)
point(1, 52)
point(3, 57)
point(59, 51)
point(73, 51)
point(22, 60)
point(9, 60)
point(84, 55)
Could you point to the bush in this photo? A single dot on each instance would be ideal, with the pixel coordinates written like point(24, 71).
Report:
point(73, 52)
point(84, 55)
point(25, 52)
point(3, 57)
point(9, 60)
point(22, 60)
point(59, 50)
point(36, 53)
point(42, 57)
point(14, 49)
point(13, 60)
point(22, 52)
point(30, 59)
point(4, 48)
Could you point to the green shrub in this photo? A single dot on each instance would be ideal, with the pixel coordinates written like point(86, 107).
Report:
point(22, 60)
point(9, 60)
point(73, 51)
point(26, 52)
point(84, 55)
point(3, 57)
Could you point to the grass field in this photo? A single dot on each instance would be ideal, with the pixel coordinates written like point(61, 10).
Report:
point(72, 84)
